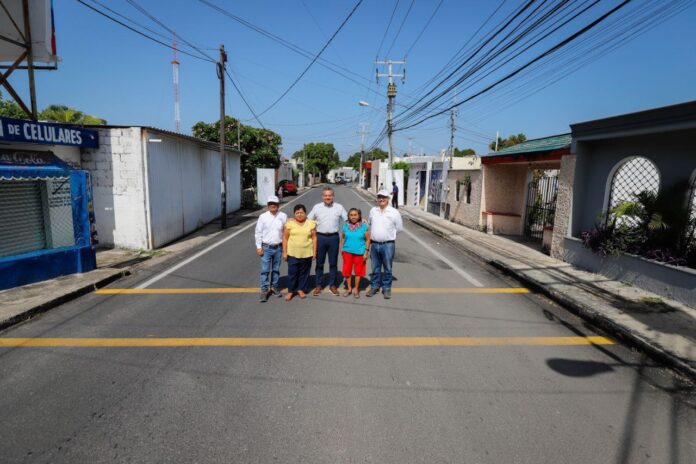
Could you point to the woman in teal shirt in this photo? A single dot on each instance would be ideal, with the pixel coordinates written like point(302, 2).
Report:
point(355, 242)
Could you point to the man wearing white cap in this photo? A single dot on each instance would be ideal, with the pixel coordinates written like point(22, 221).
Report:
point(385, 222)
point(269, 246)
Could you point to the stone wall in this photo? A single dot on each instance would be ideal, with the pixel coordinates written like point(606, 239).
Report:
point(467, 213)
point(564, 201)
point(117, 174)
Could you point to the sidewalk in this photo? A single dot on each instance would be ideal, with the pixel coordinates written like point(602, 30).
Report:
point(663, 328)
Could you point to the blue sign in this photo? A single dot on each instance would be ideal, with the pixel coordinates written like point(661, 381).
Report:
point(47, 133)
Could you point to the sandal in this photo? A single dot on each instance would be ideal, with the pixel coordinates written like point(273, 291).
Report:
point(347, 292)
point(289, 296)
point(356, 294)
point(302, 294)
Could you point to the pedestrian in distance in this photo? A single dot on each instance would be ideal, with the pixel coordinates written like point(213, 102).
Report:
point(395, 196)
point(329, 216)
point(299, 247)
point(355, 243)
point(269, 240)
point(280, 192)
point(385, 222)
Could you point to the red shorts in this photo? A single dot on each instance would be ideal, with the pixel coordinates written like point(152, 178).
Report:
point(351, 261)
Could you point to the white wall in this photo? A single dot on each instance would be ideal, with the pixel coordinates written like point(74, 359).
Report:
point(118, 188)
point(184, 185)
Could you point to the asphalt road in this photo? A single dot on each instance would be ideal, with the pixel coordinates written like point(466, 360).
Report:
point(451, 369)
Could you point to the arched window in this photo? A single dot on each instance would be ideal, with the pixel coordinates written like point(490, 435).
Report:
point(633, 176)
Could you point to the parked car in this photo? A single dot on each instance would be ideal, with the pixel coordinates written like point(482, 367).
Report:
point(289, 187)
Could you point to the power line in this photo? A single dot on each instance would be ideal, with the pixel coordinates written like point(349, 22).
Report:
point(386, 31)
point(424, 28)
point(316, 57)
point(508, 76)
point(400, 27)
point(141, 33)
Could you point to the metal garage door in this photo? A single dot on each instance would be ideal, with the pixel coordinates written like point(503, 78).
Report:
point(21, 217)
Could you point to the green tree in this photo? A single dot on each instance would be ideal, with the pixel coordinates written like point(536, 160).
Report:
point(260, 147)
point(320, 158)
point(465, 152)
point(10, 109)
point(508, 142)
point(353, 161)
point(67, 115)
point(376, 154)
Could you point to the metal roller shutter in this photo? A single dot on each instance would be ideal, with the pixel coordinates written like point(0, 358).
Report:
point(21, 217)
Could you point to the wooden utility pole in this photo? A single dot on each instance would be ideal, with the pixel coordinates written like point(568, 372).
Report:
point(223, 157)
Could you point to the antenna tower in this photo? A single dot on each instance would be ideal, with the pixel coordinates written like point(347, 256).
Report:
point(175, 71)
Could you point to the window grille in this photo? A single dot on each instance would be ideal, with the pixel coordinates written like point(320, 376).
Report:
point(633, 177)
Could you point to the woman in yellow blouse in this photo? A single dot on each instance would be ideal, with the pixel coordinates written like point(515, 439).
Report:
point(299, 247)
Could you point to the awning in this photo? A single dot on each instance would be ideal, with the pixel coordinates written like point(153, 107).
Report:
point(31, 165)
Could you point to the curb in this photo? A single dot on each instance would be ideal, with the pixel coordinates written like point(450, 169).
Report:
point(62, 299)
point(618, 331)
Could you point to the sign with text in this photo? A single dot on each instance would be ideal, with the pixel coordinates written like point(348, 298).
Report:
point(48, 133)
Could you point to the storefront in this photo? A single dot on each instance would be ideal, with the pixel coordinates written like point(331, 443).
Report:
point(46, 219)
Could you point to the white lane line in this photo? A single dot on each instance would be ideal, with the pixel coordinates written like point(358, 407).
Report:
point(471, 279)
point(166, 272)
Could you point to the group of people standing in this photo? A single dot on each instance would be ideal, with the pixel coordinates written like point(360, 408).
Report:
point(321, 234)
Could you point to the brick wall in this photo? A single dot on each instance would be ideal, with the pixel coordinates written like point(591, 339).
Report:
point(461, 211)
point(117, 182)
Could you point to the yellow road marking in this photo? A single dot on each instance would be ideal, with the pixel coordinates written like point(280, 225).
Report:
point(304, 342)
point(184, 291)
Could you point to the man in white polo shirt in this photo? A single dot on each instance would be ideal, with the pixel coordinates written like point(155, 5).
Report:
point(269, 246)
point(385, 222)
point(329, 216)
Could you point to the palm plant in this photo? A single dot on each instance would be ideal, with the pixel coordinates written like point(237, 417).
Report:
point(67, 115)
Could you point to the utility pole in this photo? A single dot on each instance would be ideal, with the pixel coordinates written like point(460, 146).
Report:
point(497, 137)
point(447, 164)
point(223, 157)
point(362, 154)
point(391, 93)
point(304, 165)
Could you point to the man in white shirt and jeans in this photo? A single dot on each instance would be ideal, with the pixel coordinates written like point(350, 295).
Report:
point(269, 246)
point(385, 222)
point(329, 216)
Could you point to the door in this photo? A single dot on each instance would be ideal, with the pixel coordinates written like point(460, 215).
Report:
point(22, 226)
point(435, 192)
point(540, 209)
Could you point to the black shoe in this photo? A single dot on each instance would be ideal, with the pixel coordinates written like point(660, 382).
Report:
point(264, 297)
point(371, 292)
point(276, 292)
point(386, 294)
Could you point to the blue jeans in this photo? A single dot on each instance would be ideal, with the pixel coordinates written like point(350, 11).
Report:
point(382, 256)
point(327, 245)
point(298, 273)
point(270, 263)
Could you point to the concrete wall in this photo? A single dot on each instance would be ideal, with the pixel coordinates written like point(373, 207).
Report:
point(678, 283)
point(504, 190)
point(461, 212)
point(184, 186)
point(564, 200)
point(672, 152)
point(151, 188)
point(118, 187)
point(466, 162)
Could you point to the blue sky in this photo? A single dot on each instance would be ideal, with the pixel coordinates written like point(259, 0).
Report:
point(111, 72)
